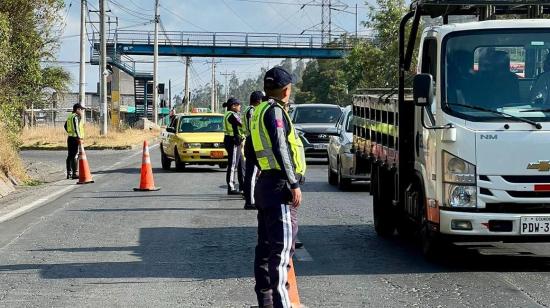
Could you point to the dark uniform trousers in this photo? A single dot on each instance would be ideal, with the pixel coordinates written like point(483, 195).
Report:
point(72, 152)
point(277, 230)
point(251, 171)
point(235, 163)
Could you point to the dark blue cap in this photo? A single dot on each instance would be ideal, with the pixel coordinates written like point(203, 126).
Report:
point(232, 101)
point(256, 96)
point(277, 78)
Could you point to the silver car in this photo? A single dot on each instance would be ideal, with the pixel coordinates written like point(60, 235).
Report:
point(341, 161)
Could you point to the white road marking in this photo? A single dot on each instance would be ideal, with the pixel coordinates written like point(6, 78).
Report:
point(46, 199)
point(35, 204)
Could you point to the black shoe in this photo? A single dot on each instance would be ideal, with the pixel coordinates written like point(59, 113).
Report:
point(249, 206)
point(74, 177)
point(68, 176)
point(233, 192)
point(298, 244)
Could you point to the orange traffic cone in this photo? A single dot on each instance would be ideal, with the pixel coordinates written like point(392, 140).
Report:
point(293, 288)
point(147, 182)
point(84, 174)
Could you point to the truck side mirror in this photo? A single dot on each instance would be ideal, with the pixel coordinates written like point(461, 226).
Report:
point(423, 90)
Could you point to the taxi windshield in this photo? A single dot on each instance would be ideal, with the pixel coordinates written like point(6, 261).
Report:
point(201, 124)
point(489, 73)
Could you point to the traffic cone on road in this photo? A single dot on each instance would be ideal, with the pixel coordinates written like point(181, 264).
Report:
point(293, 288)
point(147, 183)
point(84, 174)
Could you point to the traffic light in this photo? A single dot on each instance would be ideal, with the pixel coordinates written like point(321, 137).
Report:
point(161, 88)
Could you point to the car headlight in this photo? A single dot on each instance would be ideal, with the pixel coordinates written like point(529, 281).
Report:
point(459, 182)
point(192, 145)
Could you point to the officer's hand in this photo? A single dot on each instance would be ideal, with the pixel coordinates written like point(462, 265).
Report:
point(79, 141)
point(296, 197)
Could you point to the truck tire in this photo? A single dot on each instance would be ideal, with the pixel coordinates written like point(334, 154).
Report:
point(180, 166)
point(332, 177)
point(343, 183)
point(433, 245)
point(384, 222)
point(164, 160)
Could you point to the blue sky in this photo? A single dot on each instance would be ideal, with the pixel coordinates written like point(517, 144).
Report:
point(266, 16)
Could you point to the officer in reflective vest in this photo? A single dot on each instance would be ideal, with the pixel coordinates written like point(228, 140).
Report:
point(280, 156)
point(75, 130)
point(251, 169)
point(232, 141)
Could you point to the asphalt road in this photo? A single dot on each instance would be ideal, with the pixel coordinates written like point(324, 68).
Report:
point(190, 245)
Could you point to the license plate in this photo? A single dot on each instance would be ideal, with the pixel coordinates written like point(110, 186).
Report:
point(535, 225)
point(320, 146)
point(216, 154)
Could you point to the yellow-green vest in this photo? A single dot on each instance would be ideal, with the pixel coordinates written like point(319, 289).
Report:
point(263, 146)
point(227, 127)
point(246, 124)
point(70, 126)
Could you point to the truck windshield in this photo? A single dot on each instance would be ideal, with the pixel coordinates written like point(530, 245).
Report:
point(322, 115)
point(201, 124)
point(506, 71)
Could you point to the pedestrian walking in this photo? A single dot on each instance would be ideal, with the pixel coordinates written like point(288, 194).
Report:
point(74, 126)
point(280, 156)
point(251, 168)
point(233, 144)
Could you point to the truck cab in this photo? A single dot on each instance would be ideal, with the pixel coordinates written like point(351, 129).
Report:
point(466, 157)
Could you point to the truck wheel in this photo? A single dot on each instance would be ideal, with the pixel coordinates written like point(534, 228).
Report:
point(433, 246)
point(180, 166)
point(332, 177)
point(343, 183)
point(165, 161)
point(384, 222)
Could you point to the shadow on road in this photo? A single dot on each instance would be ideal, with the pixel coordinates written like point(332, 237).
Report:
point(220, 253)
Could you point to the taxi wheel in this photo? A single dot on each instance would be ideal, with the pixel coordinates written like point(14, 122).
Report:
point(165, 161)
point(179, 164)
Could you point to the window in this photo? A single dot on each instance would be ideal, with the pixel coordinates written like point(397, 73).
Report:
point(429, 57)
point(201, 124)
point(504, 70)
point(321, 115)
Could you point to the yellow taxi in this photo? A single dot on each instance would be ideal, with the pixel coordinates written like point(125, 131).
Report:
point(196, 139)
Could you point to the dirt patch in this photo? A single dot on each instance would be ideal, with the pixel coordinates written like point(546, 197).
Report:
point(55, 138)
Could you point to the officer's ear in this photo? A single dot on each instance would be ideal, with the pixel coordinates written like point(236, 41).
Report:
point(286, 92)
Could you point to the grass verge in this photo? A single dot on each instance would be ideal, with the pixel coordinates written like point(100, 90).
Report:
point(50, 137)
point(11, 164)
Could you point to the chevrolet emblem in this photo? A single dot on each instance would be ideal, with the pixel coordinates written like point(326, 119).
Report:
point(542, 166)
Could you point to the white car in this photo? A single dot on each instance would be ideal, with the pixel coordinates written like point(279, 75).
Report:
point(342, 169)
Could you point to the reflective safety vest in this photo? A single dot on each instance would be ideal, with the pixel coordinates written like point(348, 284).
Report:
point(246, 123)
point(228, 127)
point(71, 130)
point(263, 146)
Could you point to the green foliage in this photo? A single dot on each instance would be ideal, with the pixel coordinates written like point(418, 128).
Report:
point(372, 63)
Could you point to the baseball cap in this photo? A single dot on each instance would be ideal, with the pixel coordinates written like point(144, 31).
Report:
point(232, 101)
point(257, 96)
point(78, 106)
point(277, 78)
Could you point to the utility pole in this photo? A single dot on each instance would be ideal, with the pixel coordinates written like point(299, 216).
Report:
point(170, 94)
point(82, 75)
point(103, 68)
point(155, 64)
point(186, 98)
point(226, 74)
point(213, 90)
point(356, 23)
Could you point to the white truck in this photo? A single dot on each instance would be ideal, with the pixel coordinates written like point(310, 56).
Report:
point(466, 157)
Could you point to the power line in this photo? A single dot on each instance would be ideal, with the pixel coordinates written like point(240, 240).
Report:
point(169, 11)
point(238, 16)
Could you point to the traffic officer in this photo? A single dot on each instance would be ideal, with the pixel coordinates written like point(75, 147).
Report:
point(74, 126)
point(280, 156)
point(233, 141)
point(251, 168)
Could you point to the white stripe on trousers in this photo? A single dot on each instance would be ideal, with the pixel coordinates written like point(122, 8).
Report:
point(285, 256)
point(233, 164)
point(253, 185)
